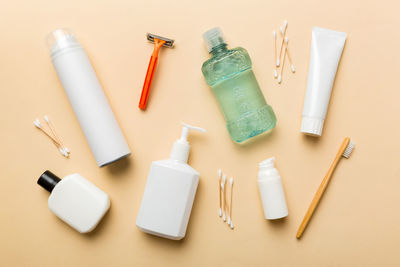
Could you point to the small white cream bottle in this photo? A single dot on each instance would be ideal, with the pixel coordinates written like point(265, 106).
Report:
point(170, 191)
point(75, 200)
point(271, 191)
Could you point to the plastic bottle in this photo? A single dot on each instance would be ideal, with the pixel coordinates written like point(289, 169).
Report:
point(169, 194)
point(75, 200)
point(87, 98)
point(232, 80)
point(271, 191)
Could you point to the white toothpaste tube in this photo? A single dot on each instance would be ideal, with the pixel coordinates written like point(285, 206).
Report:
point(326, 50)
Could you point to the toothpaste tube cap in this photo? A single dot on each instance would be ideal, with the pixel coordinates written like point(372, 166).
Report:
point(312, 126)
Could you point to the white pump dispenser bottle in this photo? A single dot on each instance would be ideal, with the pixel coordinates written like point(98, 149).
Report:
point(169, 194)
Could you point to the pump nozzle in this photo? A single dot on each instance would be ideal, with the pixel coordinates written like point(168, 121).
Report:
point(181, 147)
point(185, 130)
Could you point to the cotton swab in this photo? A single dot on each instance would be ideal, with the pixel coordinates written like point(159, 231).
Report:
point(283, 60)
point(64, 150)
point(285, 23)
point(39, 126)
point(230, 203)
point(274, 37)
point(227, 208)
point(225, 204)
point(223, 197)
point(292, 67)
point(53, 131)
point(219, 192)
point(230, 222)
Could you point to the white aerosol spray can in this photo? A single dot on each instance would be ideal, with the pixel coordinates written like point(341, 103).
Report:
point(87, 98)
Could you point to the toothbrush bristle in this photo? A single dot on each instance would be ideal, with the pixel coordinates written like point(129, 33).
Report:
point(46, 118)
point(219, 174)
point(273, 34)
point(348, 150)
point(231, 181)
point(224, 179)
point(275, 73)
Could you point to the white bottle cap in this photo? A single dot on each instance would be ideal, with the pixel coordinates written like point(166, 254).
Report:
point(312, 126)
point(213, 38)
point(60, 39)
point(181, 147)
point(271, 191)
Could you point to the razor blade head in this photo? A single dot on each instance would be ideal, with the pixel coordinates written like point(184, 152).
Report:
point(168, 42)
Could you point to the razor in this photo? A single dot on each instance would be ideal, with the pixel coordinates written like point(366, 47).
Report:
point(158, 41)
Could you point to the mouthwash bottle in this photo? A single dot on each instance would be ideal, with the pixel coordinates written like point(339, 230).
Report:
point(239, 96)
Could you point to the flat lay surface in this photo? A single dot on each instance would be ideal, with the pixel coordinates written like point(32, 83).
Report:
point(357, 222)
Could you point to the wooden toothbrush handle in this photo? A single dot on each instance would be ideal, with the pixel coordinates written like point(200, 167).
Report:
point(321, 189)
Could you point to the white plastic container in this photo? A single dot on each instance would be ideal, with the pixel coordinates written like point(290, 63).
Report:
point(169, 194)
point(326, 50)
point(75, 200)
point(87, 98)
point(271, 191)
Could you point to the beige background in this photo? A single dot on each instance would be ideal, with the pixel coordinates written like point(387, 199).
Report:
point(358, 221)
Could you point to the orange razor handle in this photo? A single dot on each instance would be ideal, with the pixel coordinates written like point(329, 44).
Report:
point(150, 73)
point(147, 82)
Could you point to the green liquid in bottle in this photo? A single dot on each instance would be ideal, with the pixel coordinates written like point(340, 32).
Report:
point(238, 94)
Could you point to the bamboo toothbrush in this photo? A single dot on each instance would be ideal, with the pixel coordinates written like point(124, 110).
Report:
point(219, 192)
point(345, 150)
